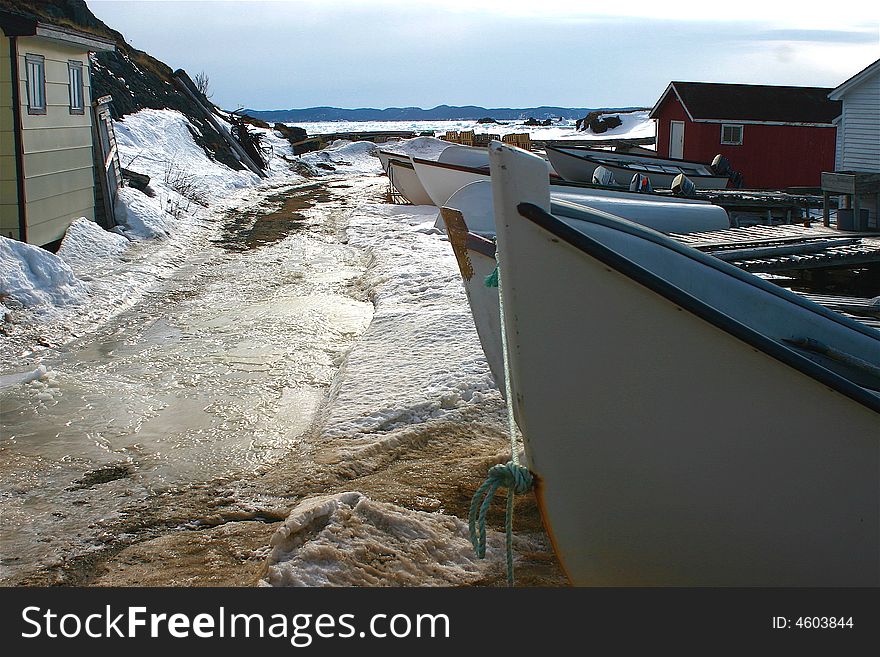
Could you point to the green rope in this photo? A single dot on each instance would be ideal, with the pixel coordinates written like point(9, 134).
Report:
point(492, 279)
point(511, 475)
point(517, 480)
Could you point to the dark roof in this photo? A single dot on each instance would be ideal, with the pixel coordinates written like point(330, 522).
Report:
point(755, 102)
point(14, 24)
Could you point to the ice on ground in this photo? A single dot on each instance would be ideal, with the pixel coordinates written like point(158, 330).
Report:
point(342, 156)
point(36, 279)
point(348, 539)
point(420, 359)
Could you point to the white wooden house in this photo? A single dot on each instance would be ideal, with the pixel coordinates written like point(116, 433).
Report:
point(857, 159)
point(47, 156)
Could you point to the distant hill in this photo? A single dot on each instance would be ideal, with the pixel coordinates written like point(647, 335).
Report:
point(439, 113)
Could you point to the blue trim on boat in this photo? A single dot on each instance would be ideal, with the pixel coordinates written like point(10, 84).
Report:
point(692, 304)
point(601, 218)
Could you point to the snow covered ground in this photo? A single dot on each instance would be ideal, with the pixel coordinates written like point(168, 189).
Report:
point(49, 298)
point(239, 376)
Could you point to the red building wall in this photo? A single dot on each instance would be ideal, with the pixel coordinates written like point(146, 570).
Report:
point(770, 157)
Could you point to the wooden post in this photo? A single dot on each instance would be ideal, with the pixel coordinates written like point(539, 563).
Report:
point(826, 213)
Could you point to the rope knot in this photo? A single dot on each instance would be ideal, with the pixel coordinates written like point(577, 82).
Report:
point(517, 480)
point(511, 475)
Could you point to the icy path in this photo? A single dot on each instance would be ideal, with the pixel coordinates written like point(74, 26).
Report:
point(302, 402)
point(217, 372)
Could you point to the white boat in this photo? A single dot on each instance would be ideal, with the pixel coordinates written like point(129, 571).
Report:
point(470, 214)
point(386, 156)
point(664, 213)
point(455, 167)
point(678, 435)
point(442, 179)
point(475, 255)
point(404, 179)
point(578, 165)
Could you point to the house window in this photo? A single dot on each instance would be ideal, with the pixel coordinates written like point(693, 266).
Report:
point(75, 76)
point(731, 134)
point(35, 67)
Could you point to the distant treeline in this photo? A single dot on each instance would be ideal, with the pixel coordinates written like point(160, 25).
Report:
point(439, 113)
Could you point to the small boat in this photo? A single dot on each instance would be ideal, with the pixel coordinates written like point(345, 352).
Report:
point(387, 156)
point(688, 423)
point(455, 167)
point(404, 179)
point(469, 221)
point(442, 179)
point(579, 165)
point(667, 214)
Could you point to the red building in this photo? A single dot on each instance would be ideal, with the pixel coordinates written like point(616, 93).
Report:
point(776, 137)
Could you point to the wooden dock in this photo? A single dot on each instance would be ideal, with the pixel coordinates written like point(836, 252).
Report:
point(788, 248)
point(861, 310)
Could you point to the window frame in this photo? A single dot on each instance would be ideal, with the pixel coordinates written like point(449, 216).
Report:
point(738, 126)
point(37, 63)
point(75, 69)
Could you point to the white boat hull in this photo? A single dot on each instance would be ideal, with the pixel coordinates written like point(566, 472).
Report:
point(404, 179)
point(476, 261)
point(474, 200)
point(674, 448)
point(441, 180)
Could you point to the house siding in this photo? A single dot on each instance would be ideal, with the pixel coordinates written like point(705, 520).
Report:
point(770, 157)
point(57, 145)
point(860, 127)
point(8, 180)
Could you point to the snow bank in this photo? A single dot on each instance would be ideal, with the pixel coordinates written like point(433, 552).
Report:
point(141, 217)
point(344, 156)
point(424, 147)
point(37, 279)
point(159, 143)
point(85, 241)
point(633, 125)
point(91, 264)
point(348, 539)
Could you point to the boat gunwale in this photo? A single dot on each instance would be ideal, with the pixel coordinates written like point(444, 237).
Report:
point(703, 310)
point(564, 149)
point(622, 165)
point(401, 163)
point(455, 167)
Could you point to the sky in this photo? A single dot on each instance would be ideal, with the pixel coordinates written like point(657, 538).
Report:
point(494, 53)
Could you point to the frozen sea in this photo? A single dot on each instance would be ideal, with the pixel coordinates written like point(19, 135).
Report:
point(635, 125)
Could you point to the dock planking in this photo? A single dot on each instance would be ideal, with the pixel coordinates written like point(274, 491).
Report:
point(787, 247)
